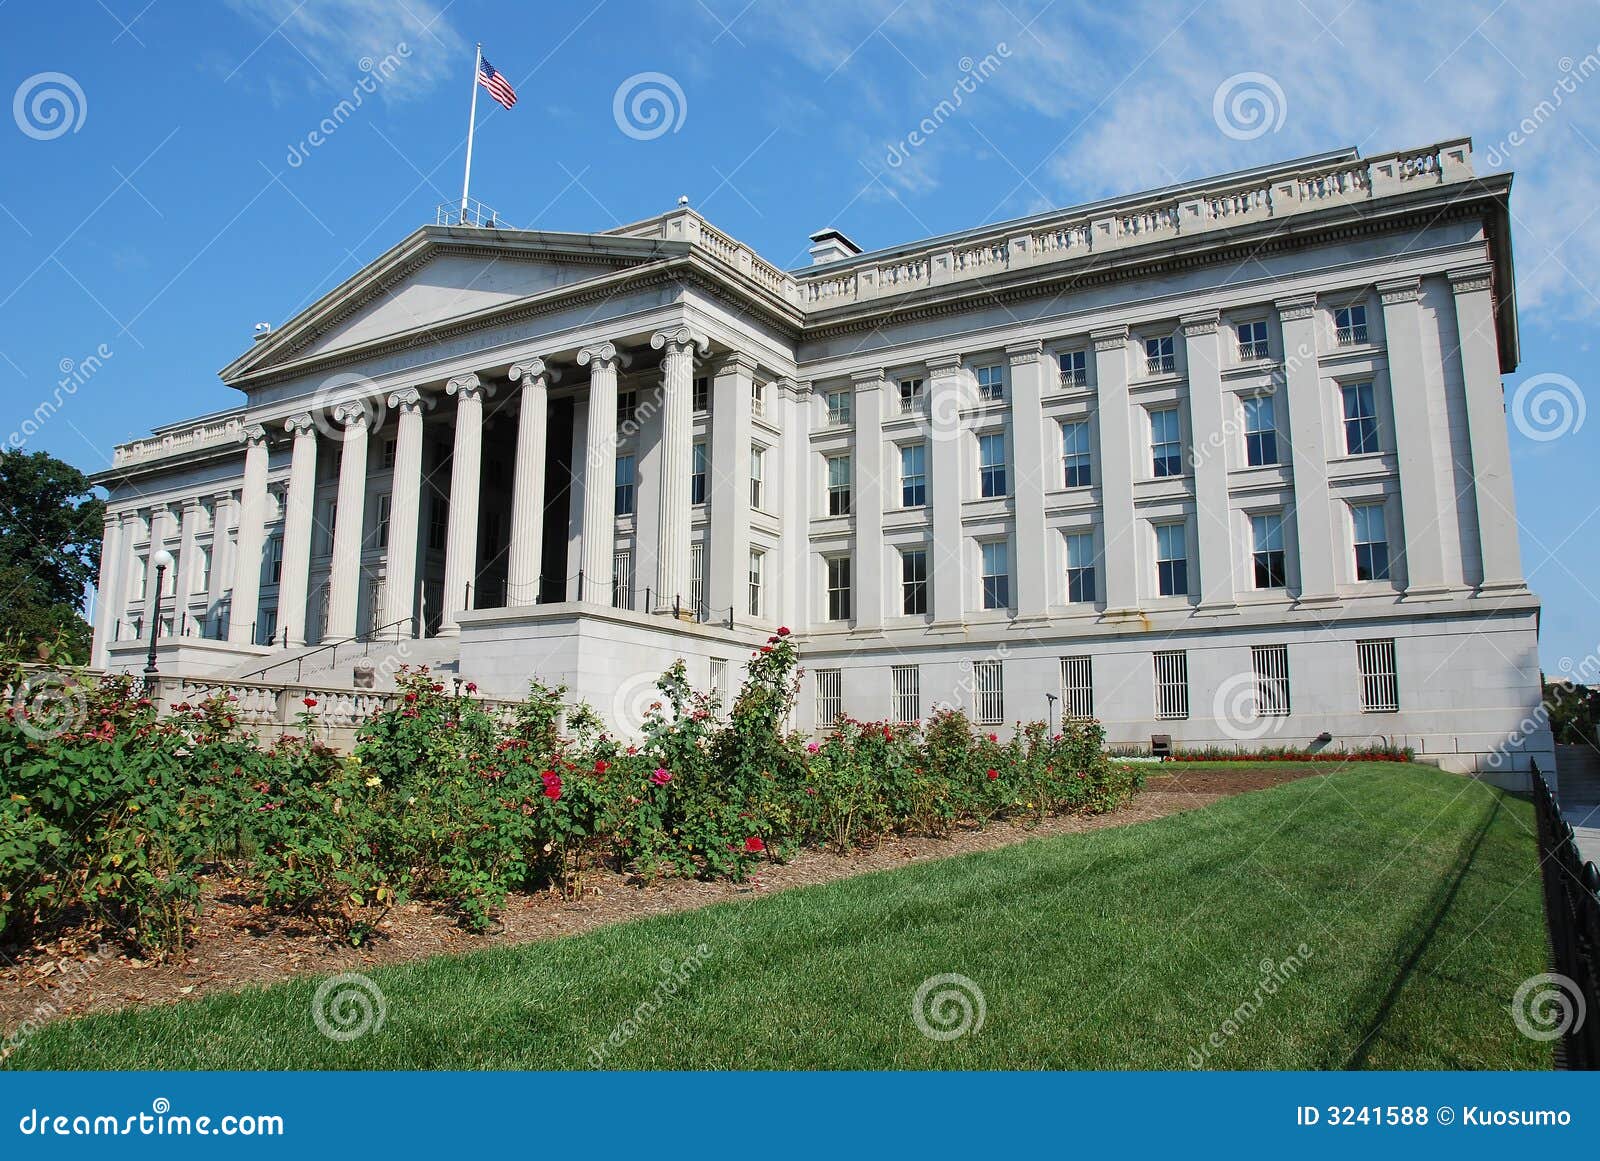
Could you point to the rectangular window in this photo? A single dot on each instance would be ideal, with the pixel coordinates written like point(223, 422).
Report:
point(838, 588)
point(1172, 561)
point(438, 523)
point(275, 560)
point(1075, 459)
point(698, 474)
point(627, 407)
point(1166, 442)
point(1350, 325)
point(202, 568)
point(719, 679)
point(991, 383)
point(839, 409)
point(758, 569)
point(1252, 341)
point(141, 579)
point(624, 502)
point(838, 485)
point(1266, 538)
point(912, 396)
point(697, 577)
point(989, 693)
point(907, 688)
point(913, 475)
point(914, 581)
point(1380, 685)
point(1159, 356)
point(1372, 542)
point(1172, 684)
point(1360, 419)
point(1074, 368)
point(996, 575)
point(622, 579)
point(1080, 568)
point(758, 397)
point(992, 464)
point(1260, 431)
point(380, 522)
point(758, 457)
point(1077, 688)
point(830, 697)
point(1271, 665)
point(701, 395)
point(388, 453)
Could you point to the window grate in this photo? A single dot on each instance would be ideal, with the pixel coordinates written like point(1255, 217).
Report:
point(1271, 665)
point(622, 579)
point(1077, 688)
point(830, 697)
point(1380, 684)
point(989, 696)
point(1172, 684)
point(907, 691)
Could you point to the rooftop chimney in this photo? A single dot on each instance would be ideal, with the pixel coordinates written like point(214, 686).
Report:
point(830, 245)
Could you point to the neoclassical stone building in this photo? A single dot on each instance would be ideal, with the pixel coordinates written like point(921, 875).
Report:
point(1225, 462)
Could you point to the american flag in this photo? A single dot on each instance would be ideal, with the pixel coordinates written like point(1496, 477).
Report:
point(493, 80)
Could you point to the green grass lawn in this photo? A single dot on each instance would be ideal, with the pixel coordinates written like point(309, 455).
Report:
point(1415, 894)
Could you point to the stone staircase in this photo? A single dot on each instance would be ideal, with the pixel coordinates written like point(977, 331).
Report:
point(1578, 775)
point(336, 666)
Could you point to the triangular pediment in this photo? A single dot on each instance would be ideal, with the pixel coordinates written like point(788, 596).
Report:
point(436, 276)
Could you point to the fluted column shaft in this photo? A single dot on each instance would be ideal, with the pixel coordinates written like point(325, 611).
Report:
point(1213, 532)
point(676, 465)
point(1415, 411)
point(298, 518)
point(466, 473)
point(867, 486)
point(523, 567)
point(188, 557)
point(344, 588)
point(405, 509)
point(1119, 532)
point(106, 599)
point(244, 606)
point(599, 473)
point(160, 521)
point(1308, 442)
point(728, 560)
point(1030, 482)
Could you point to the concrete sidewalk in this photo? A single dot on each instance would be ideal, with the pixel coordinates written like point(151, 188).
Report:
point(1585, 820)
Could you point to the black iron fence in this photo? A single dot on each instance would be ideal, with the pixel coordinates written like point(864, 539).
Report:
point(1572, 909)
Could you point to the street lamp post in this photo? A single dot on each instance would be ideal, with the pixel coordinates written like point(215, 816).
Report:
point(162, 561)
point(1050, 711)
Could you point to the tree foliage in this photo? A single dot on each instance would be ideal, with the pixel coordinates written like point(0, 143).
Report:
point(50, 529)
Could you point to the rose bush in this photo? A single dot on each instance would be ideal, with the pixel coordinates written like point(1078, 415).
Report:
point(122, 819)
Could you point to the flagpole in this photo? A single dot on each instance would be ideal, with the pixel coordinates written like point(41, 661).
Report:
point(472, 124)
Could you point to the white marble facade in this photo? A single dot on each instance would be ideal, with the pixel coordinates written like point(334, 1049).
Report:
point(1227, 463)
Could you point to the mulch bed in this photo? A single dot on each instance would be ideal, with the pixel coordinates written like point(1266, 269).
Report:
point(239, 943)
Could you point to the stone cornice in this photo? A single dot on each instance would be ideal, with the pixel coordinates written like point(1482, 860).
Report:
point(1295, 309)
point(869, 380)
point(1401, 290)
point(1023, 354)
point(1472, 278)
point(1199, 325)
point(1110, 339)
point(942, 365)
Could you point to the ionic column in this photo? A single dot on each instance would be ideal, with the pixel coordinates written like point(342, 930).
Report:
point(405, 509)
point(298, 517)
point(677, 463)
point(523, 573)
point(466, 472)
point(947, 394)
point(599, 473)
point(244, 606)
point(160, 518)
point(106, 602)
point(1215, 541)
point(866, 481)
point(1486, 427)
point(728, 558)
point(1420, 499)
point(1031, 481)
point(344, 586)
point(188, 554)
point(1119, 532)
point(1308, 442)
point(128, 566)
point(222, 549)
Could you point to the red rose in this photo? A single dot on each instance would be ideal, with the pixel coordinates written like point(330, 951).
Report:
point(601, 766)
point(472, 687)
point(661, 776)
point(994, 737)
point(754, 845)
point(311, 702)
point(411, 697)
point(993, 774)
point(772, 640)
point(783, 630)
point(552, 790)
point(888, 734)
point(766, 649)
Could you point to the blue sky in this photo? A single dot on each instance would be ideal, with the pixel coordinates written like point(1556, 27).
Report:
point(184, 203)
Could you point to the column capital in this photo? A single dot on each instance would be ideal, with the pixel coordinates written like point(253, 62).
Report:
point(1196, 325)
point(602, 357)
point(1110, 338)
point(408, 399)
point(253, 435)
point(1021, 354)
point(868, 380)
point(530, 371)
point(301, 424)
point(735, 361)
point(1296, 309)
point(469, 386)
point(943, 364)
point(189, 504)
point(1400, 290)
point(353, 414)
point(1472, 278)
point(681, 337)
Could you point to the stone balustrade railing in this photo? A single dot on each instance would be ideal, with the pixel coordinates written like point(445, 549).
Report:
point(211, 433)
